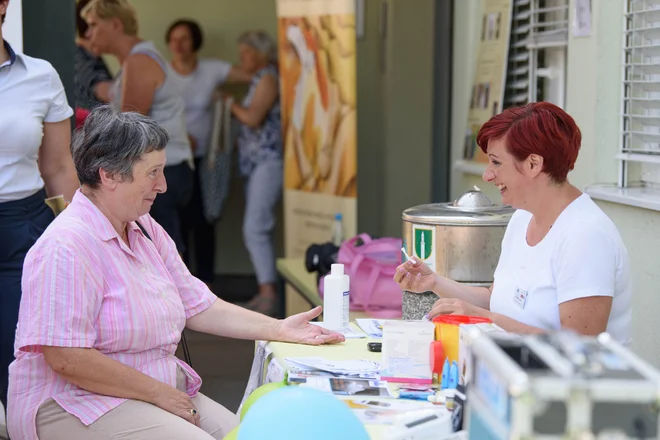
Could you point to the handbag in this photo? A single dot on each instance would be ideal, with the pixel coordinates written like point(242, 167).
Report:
point(215, 166)
point(371, 265)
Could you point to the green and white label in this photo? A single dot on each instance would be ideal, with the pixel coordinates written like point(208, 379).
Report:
point(424, 244)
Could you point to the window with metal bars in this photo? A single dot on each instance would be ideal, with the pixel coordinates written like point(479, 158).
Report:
point(639, 154)
point(537, 52)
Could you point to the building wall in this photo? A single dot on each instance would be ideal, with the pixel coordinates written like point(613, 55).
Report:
point(593, 99)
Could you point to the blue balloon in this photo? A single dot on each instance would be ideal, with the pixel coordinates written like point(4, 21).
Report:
point(300, 413)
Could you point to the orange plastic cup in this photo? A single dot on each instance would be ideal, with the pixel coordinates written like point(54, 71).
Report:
point(447, 331)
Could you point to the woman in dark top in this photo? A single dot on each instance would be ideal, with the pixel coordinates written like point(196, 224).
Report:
point(92, 80)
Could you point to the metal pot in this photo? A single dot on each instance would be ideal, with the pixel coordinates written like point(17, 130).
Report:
point(459, 240)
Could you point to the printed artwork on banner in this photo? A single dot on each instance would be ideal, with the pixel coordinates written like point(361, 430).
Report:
point(317, 63)
point(318, 90)
point(423, 244)
point(490, 72)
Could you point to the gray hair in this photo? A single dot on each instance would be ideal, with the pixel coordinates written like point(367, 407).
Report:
point(114, 141)
point(261, 42)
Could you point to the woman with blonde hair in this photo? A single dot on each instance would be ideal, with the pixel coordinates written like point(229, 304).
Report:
point(146, 84)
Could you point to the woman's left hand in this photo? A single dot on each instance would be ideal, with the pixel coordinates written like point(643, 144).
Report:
point(451, 306)
point(298, 329)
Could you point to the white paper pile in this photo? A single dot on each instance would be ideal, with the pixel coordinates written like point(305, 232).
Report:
point(354, 367)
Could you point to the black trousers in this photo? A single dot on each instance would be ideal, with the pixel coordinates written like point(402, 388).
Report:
point(199, 249)
point(167, 207)
point(21, 223)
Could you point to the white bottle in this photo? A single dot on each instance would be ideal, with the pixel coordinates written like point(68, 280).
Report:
point(337, 230)
point(336, 287)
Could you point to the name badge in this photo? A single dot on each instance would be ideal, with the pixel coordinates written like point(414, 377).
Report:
point(520, 298)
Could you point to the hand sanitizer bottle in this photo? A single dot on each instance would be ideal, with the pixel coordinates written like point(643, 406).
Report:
point(336, 286)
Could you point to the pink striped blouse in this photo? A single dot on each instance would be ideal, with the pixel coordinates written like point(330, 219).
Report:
point(83, 287)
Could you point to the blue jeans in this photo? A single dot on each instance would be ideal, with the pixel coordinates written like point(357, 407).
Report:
point(263, 189)
point(21, 223)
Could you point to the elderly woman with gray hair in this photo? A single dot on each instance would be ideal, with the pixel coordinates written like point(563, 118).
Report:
point(105, 299)
point(260, 159)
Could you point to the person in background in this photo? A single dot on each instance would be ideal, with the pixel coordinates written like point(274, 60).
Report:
point(146, 84)
point(201, 77)
point(35, 163)
point(92, 80)
point(260, 160)
point(106, 368)
point(563, 263)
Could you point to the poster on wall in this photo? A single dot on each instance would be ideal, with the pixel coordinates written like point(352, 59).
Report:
point(490, 72)
point(316, 43)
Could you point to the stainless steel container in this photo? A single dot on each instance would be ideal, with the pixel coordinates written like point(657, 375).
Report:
point(459, 240)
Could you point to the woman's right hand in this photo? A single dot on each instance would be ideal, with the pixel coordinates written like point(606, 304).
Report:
point(415, 277)
point(178, 403)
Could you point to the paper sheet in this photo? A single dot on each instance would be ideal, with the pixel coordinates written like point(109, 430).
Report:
point(349, 367)
point(582, 18)
point(383, 411)
point(343, 386)
point(349, 332)
point(372, 327)
point(406, 347)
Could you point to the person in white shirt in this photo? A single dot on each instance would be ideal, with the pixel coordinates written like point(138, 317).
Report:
point(35, 163)
point(563, 263)
point(200, 77)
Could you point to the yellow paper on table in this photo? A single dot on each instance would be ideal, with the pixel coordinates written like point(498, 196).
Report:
point(56, 203)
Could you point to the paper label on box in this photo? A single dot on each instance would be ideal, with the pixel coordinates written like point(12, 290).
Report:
point(424, 244)
point(406, 348)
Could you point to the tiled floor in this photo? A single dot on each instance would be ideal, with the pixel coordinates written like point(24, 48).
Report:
point(224, 364)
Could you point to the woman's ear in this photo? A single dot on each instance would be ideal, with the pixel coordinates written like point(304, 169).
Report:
point(108, 179)
point(534, 164)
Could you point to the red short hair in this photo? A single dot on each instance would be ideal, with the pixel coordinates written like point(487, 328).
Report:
point(537, 128)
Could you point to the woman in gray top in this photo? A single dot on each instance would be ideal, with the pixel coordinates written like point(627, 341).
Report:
point(146, 84)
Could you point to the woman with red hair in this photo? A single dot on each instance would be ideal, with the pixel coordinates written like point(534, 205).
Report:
point(563, 263)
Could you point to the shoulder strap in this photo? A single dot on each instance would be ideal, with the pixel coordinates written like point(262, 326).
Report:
point(144, 231)
point(184, 343)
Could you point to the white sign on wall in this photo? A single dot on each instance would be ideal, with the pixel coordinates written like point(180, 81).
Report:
point(12, 30)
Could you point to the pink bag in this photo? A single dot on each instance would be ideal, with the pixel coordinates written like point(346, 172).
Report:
point(371, 269)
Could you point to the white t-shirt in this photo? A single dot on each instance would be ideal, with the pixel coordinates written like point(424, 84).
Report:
point(31, 93)
point(198, 96)
point(582, 255)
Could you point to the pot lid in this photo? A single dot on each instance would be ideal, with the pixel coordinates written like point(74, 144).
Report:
point(471, 208)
